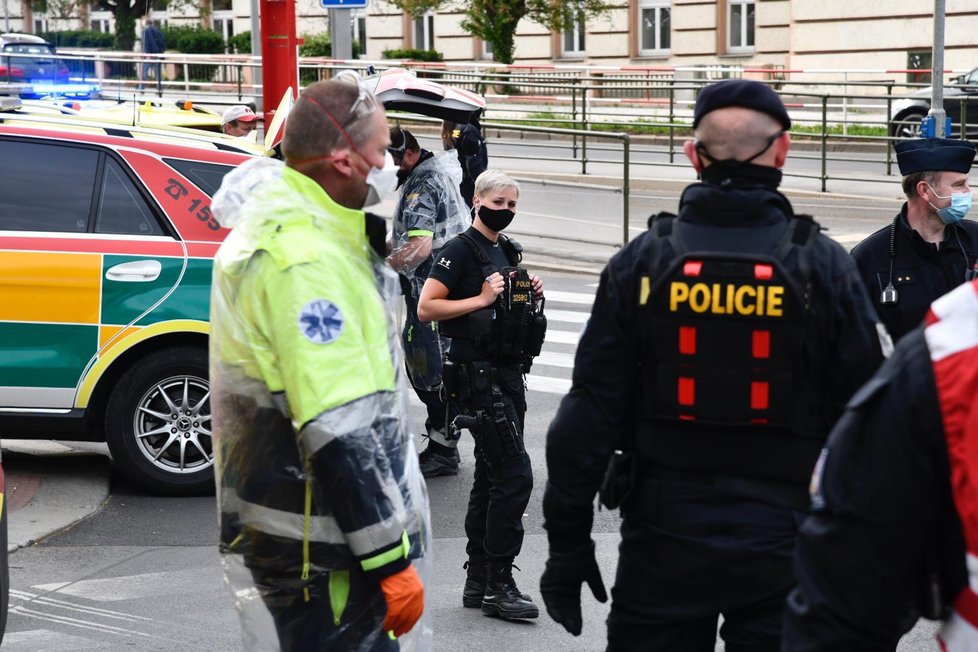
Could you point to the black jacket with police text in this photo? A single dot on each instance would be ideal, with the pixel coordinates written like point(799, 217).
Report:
point(744, 216)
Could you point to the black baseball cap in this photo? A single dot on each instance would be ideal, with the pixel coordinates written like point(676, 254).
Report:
point(740, 92)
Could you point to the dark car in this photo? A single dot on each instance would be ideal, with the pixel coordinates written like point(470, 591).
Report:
point(25, 58)
point(960, 104)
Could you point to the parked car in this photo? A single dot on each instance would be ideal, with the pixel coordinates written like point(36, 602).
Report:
point(106, 248)
point(960, 104)
point(29, 59)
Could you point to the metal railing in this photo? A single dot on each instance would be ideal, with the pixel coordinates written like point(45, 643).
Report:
point(654, 104)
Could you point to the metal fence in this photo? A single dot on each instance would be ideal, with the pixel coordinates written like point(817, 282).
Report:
point(834, 112)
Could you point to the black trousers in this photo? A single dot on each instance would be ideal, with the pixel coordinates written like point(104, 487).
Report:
point(500, 492)
point(305, 620)
point(690, 553)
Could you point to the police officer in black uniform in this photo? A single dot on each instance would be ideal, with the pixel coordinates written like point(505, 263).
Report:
point(895, 496)
point(721, 347)
point(467, 141)
point(492, 309)
point(928, 248)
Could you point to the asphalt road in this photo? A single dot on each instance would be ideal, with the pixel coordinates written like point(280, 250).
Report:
point(143, 573)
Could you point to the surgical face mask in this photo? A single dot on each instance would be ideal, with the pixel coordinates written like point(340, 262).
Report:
point(960, 205)
point(381, 182)
point(496, 219)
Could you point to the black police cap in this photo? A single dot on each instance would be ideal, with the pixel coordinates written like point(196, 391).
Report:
point(934, 155)
point(740, 92)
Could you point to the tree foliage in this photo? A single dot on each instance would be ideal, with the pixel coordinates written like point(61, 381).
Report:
point(495, 21)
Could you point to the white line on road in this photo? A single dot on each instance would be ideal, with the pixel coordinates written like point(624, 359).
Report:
point(569, 297)
point(547, 384)
point(569, 316)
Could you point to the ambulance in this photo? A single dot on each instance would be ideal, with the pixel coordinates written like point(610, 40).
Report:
point(106, 247)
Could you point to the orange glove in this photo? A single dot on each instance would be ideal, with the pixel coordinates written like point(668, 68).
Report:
point(404, 594)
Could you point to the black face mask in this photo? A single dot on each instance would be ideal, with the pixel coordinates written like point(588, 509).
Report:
point(721, 171)
point(496, 219)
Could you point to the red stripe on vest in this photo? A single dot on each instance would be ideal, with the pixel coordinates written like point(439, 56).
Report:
point(693, 267)
point(761, 344)
point(687, 391)
point(687, 340)
point(763, 272)
point(759, 395)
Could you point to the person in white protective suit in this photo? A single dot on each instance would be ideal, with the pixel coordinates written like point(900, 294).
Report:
point(325, 529)
point(430, 211)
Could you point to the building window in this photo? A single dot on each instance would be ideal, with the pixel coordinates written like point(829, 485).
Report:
point(740, 26)
point(40, 24)
point(223, 21)
point(919, 60)
point(101, 21)
point(572, 38)
point(654, 18)
point(358, 23)
point(487, 51)
point(424, 31)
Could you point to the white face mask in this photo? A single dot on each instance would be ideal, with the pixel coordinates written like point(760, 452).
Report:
point(381, 182)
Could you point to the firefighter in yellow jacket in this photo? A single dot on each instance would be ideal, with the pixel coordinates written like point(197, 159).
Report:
point(323, 510)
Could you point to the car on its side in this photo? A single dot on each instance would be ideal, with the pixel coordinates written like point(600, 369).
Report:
point(960, 105)
point(106, 248)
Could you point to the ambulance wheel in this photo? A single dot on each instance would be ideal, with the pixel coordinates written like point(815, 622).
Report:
point(158, 423)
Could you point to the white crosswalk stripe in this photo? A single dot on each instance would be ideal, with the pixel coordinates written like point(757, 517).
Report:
point(551, 371)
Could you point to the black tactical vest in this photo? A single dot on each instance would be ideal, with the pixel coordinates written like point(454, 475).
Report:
point(731, 381)
point(502, 328)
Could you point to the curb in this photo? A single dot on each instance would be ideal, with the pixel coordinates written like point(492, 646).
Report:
point(50, 487)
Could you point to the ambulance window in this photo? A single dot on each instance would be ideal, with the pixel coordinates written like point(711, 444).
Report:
point(206, 176)
point(46, 187)
point(121, 208)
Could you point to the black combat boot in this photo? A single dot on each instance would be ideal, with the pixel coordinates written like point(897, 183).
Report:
point(475, 583)
point(502, 598)
point(437, 460)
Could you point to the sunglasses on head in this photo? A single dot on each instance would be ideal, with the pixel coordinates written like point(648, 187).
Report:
point(397, 153)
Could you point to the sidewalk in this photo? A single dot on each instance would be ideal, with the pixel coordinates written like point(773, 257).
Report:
point(51, 485)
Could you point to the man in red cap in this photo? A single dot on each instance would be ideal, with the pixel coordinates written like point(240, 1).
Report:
point(929, 248)
point(239, 121)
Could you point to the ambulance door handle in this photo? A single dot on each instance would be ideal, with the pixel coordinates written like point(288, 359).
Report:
point(136, 271)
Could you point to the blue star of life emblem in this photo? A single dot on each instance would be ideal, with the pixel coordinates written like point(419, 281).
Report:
point(320, 321)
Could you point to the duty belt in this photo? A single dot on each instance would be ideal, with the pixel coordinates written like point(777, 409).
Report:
point(781, 493)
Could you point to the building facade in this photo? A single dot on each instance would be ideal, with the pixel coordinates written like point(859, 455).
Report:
point(792, 35)
point(780, 35)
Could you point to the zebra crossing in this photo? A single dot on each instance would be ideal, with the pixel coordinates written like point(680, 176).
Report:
point(567, 313)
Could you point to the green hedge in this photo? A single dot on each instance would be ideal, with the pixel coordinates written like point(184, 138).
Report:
point(413, 54)
point(191, 39)
point(78, 38)
point(240, 43)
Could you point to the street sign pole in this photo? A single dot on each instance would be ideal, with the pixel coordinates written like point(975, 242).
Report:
point(937, 113)
point(341, 33)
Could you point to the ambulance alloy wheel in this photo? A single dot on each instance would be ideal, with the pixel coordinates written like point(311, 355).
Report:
point(158, 423)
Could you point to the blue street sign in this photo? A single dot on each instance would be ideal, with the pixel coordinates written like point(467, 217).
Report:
point(342, 4)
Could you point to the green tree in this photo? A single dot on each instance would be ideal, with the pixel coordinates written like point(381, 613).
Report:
point(495, 21)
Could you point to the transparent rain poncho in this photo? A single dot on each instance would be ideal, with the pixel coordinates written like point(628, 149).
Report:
point(430, 201)
point(318, 483)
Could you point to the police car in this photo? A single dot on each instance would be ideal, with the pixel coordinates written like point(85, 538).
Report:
point(106, 248)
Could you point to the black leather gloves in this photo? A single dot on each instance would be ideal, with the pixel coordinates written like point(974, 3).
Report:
point(561, 582)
